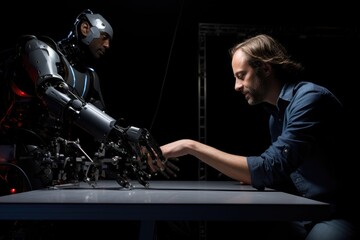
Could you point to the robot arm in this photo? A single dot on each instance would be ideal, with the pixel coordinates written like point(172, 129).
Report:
point(133, 150)
point(40, 60)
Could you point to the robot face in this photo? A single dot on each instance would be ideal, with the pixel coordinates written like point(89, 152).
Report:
point(98, 25)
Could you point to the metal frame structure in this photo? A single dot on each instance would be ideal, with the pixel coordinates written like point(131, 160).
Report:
point(205, 30)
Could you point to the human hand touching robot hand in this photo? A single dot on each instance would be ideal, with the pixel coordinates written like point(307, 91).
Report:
point(166, 167)
point(151, 153)
point(150, 159)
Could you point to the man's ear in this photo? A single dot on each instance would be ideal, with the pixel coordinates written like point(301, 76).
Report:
point(84, 28)
point(267, 68)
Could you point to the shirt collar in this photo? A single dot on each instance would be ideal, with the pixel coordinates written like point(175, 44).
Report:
point(285, 96)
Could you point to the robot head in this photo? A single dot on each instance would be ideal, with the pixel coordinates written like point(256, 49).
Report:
point(98, 25)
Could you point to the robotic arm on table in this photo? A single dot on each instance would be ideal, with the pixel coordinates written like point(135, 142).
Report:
point(132, 150)
point(124, 152)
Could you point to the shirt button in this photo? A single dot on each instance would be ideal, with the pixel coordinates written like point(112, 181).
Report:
point(286, 151)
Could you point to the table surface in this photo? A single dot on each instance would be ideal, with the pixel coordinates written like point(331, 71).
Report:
point(162, 200)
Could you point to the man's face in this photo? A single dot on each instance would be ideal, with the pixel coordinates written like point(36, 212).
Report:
point(250, 81)
point(99, 46)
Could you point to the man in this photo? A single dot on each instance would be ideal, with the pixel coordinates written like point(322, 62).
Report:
point(306, 155)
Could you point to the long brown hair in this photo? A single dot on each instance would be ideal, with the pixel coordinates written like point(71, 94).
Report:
point(265, 49)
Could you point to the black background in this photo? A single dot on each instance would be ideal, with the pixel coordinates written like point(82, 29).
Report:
point(150, 77)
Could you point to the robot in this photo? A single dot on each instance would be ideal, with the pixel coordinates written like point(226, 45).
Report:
point(50, 94)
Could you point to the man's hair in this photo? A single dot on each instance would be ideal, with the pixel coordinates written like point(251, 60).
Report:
point(265, 49)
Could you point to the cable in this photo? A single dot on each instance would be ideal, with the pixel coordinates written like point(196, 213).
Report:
point(167, 66)
point(20, 170)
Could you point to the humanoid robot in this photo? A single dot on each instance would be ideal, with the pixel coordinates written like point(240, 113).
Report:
point(50, 94)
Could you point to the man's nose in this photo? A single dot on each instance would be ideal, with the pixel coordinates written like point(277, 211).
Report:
point(238, 85)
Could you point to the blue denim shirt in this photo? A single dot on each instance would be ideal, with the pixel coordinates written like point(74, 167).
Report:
point(304, 128)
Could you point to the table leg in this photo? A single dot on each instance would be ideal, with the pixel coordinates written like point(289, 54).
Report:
point(147, 230)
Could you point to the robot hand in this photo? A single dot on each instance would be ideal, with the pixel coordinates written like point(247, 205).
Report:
point(151, 152)
point(143, 155)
